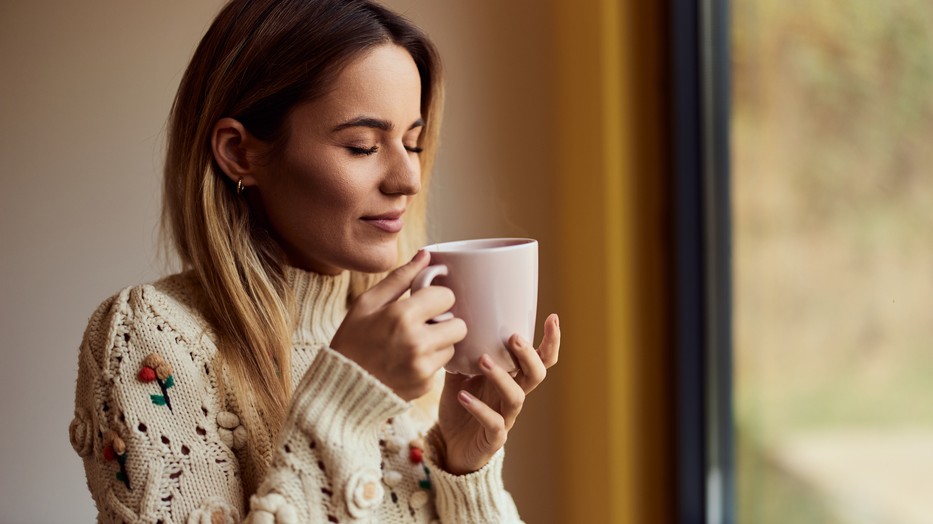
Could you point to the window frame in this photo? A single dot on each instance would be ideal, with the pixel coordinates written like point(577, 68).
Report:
point(700, 68)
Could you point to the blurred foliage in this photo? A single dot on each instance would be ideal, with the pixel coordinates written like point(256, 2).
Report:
point(832, 114)
point(833, 229)
point(855, 75)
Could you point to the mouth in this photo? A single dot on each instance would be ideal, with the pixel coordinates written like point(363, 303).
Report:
point(390, 222)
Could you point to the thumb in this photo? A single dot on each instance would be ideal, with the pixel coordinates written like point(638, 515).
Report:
point(397, 282)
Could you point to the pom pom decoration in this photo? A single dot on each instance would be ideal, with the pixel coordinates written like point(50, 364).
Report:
point(147, 374)
point(115, 450)
point(155, 368)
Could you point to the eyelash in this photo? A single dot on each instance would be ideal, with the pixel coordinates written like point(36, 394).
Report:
point(363, 151)
point(367, 151)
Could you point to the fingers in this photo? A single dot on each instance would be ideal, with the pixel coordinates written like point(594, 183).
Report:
point(429, 302)
point(550, 344)
point(531, 369)
point(511, 395)
point(395, 283)
point(494, 426)
point(447, 333)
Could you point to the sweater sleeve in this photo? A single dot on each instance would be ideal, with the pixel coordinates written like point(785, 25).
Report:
point(476, 497)
point(328, 464)
point(157, 445)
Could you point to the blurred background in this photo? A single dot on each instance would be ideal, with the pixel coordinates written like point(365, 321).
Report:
point(833, 260)
point(560, 125)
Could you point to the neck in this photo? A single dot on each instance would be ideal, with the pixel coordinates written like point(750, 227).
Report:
point(321, 304)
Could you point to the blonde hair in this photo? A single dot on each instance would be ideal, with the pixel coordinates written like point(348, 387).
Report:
point(258, 60)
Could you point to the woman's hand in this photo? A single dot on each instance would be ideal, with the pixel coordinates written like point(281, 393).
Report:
point(476, 413)
point(391, 338)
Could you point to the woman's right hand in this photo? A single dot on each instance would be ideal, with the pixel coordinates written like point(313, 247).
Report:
point(392, 339)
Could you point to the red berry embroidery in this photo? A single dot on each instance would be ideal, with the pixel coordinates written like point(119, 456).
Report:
point(147, 374)
point(115, 450)
point(155, 368)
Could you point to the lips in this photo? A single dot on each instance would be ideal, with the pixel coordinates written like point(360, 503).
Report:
point(390, 222)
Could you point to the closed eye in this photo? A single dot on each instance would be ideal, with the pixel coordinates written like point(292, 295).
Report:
point(363, 151)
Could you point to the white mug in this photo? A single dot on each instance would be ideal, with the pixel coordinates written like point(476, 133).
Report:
point(495, 282)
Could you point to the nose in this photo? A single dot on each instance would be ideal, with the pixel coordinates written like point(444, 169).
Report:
point(403, 174)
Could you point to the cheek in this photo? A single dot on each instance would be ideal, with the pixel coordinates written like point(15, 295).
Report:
point(320, 192)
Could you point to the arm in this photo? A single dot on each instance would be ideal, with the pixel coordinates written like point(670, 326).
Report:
point(156, 447)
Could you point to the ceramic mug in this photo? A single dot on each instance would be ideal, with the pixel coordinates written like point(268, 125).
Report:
point(495, 282)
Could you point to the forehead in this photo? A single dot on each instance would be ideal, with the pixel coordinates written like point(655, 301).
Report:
point(383, 83)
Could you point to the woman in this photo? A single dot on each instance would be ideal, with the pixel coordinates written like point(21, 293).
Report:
point(272, 380)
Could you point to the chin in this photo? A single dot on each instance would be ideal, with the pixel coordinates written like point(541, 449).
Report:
point(377, 262)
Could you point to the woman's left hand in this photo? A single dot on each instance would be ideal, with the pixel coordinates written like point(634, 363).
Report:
point(476, 413)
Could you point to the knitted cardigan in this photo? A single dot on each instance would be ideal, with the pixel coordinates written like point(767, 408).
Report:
point(162, 442)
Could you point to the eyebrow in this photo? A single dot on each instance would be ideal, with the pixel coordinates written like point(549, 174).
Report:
point(374, 123)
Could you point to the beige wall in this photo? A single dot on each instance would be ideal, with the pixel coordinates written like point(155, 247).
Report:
point(85, 91)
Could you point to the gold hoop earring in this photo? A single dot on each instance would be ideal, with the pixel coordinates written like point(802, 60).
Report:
point(239, 186)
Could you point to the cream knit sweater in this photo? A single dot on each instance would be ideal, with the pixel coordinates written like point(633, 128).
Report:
point(162, 443)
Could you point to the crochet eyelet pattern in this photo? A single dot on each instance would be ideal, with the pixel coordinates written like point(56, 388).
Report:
point(155, 368)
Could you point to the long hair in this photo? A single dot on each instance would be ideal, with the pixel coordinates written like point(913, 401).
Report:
point(257, 61)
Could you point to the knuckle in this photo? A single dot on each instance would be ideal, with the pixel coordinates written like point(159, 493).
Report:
point(499, 434)
point(423, 369)
point(363, 302)
point(539, 374)
point(446, 295)
point(516, 401)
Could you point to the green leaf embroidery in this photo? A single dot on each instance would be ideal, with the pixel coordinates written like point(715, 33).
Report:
point(158, 400)
point(170, 381)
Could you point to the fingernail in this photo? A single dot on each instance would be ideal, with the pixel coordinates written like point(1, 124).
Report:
point(557, 321)
point(485, 362)
point(418, 255)
point(465, 397)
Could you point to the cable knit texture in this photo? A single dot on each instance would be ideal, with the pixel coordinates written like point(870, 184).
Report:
point(162, 442)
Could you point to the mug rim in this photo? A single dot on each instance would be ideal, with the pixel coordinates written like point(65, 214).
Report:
point(457, 246)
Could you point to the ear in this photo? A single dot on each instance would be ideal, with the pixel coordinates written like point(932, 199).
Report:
point(234, 149)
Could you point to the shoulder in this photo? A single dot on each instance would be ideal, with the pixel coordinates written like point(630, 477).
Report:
point(168, 310)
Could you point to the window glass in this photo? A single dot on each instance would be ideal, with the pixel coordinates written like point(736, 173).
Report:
point(832, 172)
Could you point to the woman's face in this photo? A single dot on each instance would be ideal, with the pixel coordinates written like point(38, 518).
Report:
point(336, 195)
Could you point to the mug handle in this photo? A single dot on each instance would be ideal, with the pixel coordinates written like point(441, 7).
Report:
point(424, 279)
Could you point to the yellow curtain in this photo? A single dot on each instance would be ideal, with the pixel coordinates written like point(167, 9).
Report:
point(612, 183)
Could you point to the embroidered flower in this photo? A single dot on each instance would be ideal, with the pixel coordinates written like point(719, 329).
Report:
point(392, 478)
point(364, 492)
point(115, 451)
point(416, 451)
point(231, 432)
point(214, 510)
point(272, 509)
point(395, 444)
point(80, 433)
point(418, 499)
point(155, 368)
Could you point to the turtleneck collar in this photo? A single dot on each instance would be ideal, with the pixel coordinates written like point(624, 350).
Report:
point(321, 301)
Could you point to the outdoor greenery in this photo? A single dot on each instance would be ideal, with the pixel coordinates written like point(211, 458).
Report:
point(833, 230)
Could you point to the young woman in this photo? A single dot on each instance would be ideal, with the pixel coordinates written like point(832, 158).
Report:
point(272, 380)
